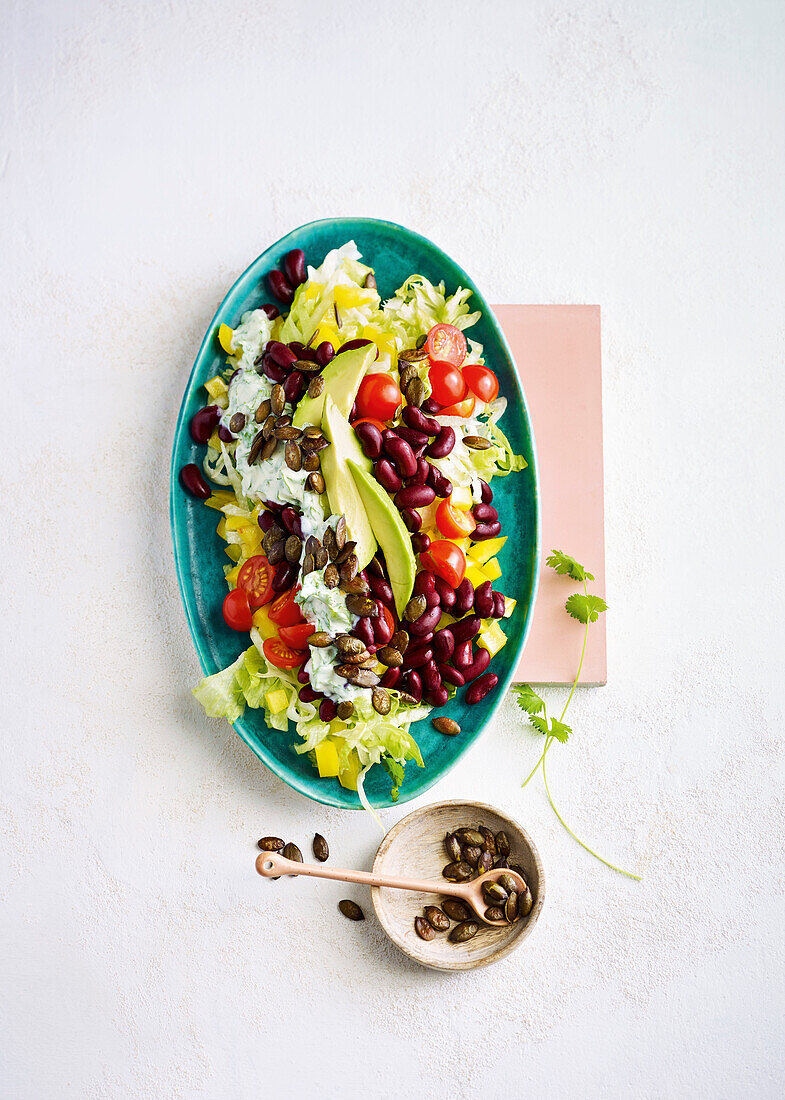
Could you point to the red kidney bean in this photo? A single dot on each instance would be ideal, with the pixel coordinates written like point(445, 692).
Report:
point(462, 655)
point(443, 644)
point(440, 484)
point(273, 505)
point(499, 605)
point(412, 684)
point(411, 435)
point(481, 687)
point(308, 695)
point(414, 496)
point(370, 439)
point(281, 287)
point(291, 520)
point(418, 452)
point(350, 345)
point(294, 266)
point(485, 513)
point(391, 678)
point(412, 520)
point(385, 474)
point(431, 406)
point(421, 542)
point(271, 310)
point(401, 454)
point(451, 675)
point(467, 628)
point(204, 422)
point(381, 589)
point(421, 477)
point(430, 676)
point(266, 520)
point(353, 413)
point(446, 594)
point(224, 434)
point(483, 600)
point(297, 348)
point(424, 582)
point(363, 629)
point(294, 386)
point(485, 531)
point(432, 598)
point(416, 656)
point(481, 658)
point(303, 676)
point(438, 697)
point(486, 493)
point(416, 418)
point(382, 631)
point(191, 479)
point(426, 622)
point(280, 354)
point(464, 597)
point(273, 371)
point(374, 645)
point(327, 710)
point(284, 576)
point(324, 353)
point(442, 444)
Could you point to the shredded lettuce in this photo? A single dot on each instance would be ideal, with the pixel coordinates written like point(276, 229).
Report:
point(419, 305)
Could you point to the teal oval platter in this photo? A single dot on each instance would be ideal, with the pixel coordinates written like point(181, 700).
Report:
point(395, 253)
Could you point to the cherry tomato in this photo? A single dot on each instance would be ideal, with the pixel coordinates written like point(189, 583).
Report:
point(256, 577)
point(279, 654)
point(447, 344)
point(369, 420)
point(237, 610)
point(447, 384)
point(446, 560)
point(453, 522)
point(284, 611)
point(378, 397)
point(297, 636)
point(463, 408)
point(481, 381)
point(388, 616)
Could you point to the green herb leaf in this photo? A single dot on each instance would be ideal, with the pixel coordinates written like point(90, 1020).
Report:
point(528, 699)
point(560, 731)
point(586, 609)
point(396, 771)
point(539, 723)
point(567, 566)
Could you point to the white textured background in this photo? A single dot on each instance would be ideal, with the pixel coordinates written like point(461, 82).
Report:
point(625, 153)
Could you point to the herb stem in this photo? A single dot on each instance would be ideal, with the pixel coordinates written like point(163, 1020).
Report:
point(580, 663)
point(533, 772)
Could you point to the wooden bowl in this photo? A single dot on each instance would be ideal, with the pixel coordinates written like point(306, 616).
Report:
point(415, 847)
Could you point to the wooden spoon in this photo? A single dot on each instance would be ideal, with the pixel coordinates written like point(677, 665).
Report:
point(273, 865)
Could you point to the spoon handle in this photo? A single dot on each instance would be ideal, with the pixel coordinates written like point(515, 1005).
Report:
point(272, 865)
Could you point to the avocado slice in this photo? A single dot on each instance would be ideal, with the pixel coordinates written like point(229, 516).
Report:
point(342, 493)
point(390, 532)
point(342, 377)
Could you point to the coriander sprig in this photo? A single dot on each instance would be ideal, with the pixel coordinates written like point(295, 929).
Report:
point(586, 608)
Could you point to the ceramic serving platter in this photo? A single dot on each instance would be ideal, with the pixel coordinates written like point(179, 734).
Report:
point(395, 253)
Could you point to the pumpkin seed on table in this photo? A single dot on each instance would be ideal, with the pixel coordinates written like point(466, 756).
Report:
point(446, 725)
point(320, 848)
point(464, 931)
point(351, 909)
point(270, 844)
point(456, 909)
point(437, 918)
point(453, 847)
point(291, 851)
point(423, 929)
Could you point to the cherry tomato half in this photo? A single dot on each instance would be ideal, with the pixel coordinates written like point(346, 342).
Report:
point(378, 397)
point(388, 617)
point(296, 637)
point(256, 578)
point(284, 611)
point(369, 420)
point(279, 654)
point(237, 610)
point(447, 344)
point(446, 560)
point(447, 383)
point(481, 381)
point(454, 523)
point(463, 408)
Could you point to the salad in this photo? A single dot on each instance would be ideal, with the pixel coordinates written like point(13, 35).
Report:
point(350, 449)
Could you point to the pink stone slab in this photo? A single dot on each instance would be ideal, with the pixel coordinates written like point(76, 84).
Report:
point(557, 350)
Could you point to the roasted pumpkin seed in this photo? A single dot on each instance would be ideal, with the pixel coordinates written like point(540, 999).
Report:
point(277, 552)
point(315, 386)
point(472, 855)
point(360, 677)
point(484, 863)
point(489, 840)
point(320, 848)
point(446, 725)
point(343, 554)
point(311, 462)
point(423, 928)
point(270, 844)
point(291, 851)
point(459, 871)
point(470, 836)
point(359, 604)
point(293, 549)
point(312, 544)
point(286, 432)
point(237, 423)
point(464, 931)
point(400, 641)
point(262, 412)
point(390, 656)
point(495, 893)
point(476, 442)
point(320, 639)
point(256, 447)
point(502, 843)
point(277, 399)
point(331, 577)
point(351, 909)
point(415, 608)
point(453, 847)
point(456, 909)
point(511, 908)
point(437, 919)
point(508, 883)
point(525, 902)
point(345, 709)
point(356, 586)
point(316, 482)
point(380, 700)
point(293, 456)
point(340, 533)
point(320, 557)
point(307, 565)
point(268, 450)
point(494, 913)
point(307, 366)
point(415, 392)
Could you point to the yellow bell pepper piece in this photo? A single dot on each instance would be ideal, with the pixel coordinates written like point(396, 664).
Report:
point(509, 606)
point(221, 528)
point(216, 387)
point(348, 777)
point(462, 498)
point(492, 569)
point(233, 551)
point(263, 623)
point(384, 341)
point(346, 297)
point(311, 291)
point(337, 725)
point(326, 758)
point(219, 499)
point(484, 551)
point(226, 338)
point(235, 523)
point(214, 441)
point(329, 333)
point(492, 638)
point(474, 573)
point(277, 700)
